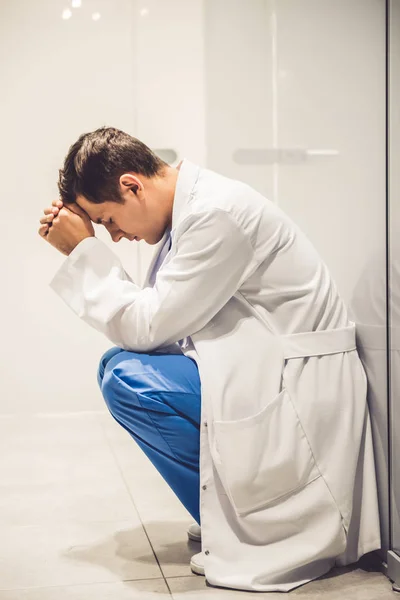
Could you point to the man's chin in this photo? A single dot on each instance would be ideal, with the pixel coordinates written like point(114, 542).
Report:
point(153, 241)
point(150, 240)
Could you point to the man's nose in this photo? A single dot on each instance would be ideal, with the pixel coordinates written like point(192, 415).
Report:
point(116, 235)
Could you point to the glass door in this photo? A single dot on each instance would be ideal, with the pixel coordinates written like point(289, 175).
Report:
point(394, 282)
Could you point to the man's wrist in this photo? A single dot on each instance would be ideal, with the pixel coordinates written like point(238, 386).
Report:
point(81, 246)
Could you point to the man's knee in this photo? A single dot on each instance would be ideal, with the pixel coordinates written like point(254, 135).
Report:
point(110, 391)
point(107, 356)
point(112, 371)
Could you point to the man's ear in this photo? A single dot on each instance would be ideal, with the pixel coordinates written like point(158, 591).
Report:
point(127, 180)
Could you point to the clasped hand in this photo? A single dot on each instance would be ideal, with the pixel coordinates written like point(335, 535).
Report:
point(65, 227)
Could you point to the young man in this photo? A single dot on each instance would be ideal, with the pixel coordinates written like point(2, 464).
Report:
point(238, 299)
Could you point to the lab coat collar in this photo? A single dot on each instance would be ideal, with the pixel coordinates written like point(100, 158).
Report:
point(187, 178)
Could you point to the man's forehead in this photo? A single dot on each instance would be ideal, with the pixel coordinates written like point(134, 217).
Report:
point(94, 211)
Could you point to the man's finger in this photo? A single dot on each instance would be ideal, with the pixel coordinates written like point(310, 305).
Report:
point(47, 219)
point(51, 211)
point(57, 203)
point(43, 230)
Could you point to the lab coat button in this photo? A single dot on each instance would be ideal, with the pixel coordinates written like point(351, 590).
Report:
point(205, 424)
point(207, 552)
point(204, 487)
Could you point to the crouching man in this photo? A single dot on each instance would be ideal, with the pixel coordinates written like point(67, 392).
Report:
point(235, 368)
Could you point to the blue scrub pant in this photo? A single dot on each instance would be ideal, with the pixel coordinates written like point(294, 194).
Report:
point(156, 398)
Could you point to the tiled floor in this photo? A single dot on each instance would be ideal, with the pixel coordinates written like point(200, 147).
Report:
point(84, 515)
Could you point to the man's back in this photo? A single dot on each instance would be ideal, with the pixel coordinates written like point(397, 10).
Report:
point(291, 283)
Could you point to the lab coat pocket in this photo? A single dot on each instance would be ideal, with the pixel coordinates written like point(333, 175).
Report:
point(264, 457)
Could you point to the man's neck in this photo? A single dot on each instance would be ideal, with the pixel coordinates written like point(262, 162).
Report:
point(169, 183)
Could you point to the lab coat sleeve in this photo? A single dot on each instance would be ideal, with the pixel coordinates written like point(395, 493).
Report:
point(212, 258)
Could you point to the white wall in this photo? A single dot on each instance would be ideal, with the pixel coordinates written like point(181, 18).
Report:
point(284, 75)
point(240, 88)
point(169, 66)
point(141, 72)
point(298, 88)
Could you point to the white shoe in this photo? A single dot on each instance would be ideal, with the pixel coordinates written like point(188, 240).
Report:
point(197, 564)
point(194, 533)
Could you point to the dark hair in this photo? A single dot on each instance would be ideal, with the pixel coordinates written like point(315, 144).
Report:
point(95, 162)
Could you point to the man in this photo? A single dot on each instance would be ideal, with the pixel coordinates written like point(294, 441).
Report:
point(238, 299)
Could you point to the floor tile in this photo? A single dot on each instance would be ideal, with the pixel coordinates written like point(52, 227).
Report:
point(162, 514)
point(100, 498)
point(149, 491)
point(112, 429)
point(51, 450)
point(74, 553)
point(153, 589)
point(340, 584)
point(172, 547)
point(47, 428)
point(54, 469)
point(79, 502)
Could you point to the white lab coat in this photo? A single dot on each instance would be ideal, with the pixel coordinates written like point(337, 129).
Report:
point(288, 483)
